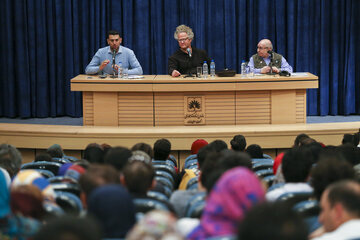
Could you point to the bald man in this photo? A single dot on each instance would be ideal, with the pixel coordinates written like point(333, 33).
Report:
point(260, 61)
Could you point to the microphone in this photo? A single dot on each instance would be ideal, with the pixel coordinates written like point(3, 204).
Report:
point(270, 52)
point(113, 64)
point(189, 51)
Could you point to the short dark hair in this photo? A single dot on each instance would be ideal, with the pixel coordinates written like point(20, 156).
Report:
point(162, 149)
point(350, 153)
point(329, 169)
point(347, 193)
point(203, 153)
point(94, 153)
point(299, 138)
point(238, 143)
point(118, 157)
point(146, 148)
point(55, 151)
point(97, 175)
point(218, 145)
point(352, 139)
point(296, 164)
point(138, 177)
point(43, 157)
point(113, 32)
point(69, 227)
point(10, 159)
point(272, 221)
point(255, 151)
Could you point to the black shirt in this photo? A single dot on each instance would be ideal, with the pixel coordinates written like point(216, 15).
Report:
point(183, 63)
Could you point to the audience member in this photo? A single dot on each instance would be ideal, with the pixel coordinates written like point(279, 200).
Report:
point(94, 153)
point(69, 228)
point(238, 143)
point(255, 151)
point(118, 157)
point(352, 139)
point(162, 149)
point(197, 145)
point(272, 221)
point(159, 225)
point(138, 155)
point(96, 175)
point(233, 195)
point(43, 157)
point(340, 211)
point(113, 207)
point(350, 153)
point(145, 148)
point(296, 167)
point(55, 151)
point(10, 159)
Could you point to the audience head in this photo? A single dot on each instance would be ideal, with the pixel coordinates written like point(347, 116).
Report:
point(94, 153)
point(162, 148)
point(350, 153)
point(352, 139)
point(255, 151)
point(69, 228)
point(218, 145)
point(118, 157)
point(97, 175)
point(299, 138)
point(138, 177)
point(329, 169)
point(55, 151)
point(146, 148)
point(43, 157)
point(113, 207)
point(238, 143)
point(339, 204)
point(10, 159)
point(277, 221)
point(27, 200)
point(140, 156)
point(155, 224)
point(202, 154)
point(197, 145)
point(234, 194)
point(296, 165)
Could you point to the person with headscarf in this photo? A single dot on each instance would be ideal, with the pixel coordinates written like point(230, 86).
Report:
point(233, 195)
point(113, 207)
point(13, 226)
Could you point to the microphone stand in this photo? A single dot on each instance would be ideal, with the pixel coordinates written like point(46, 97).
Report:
point(113, 65)
point(270, 65)
point(189, 67)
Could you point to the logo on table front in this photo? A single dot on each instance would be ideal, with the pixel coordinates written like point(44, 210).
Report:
point(194, 110)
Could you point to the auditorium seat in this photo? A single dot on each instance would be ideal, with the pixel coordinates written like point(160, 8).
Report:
point(144, 205)
point(294, 197)
point(45, 173)
point(195, 205)
point(192, 183)
point(190, 163)
point(157, 195)
point(51, 166)
point(62, 179)
point(69, 202)
point(60, 160)
point(66, 187)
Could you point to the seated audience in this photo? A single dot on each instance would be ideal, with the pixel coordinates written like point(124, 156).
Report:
point(94, 153)
point(233, 195)
point(238, 143)
point(69, 228)
point(155, 225)
point(10, 159)
point(352, 139)
point(272, 221)
point(55, 151)
point(96, 175)
point(112, 206)
point(146, 148)
point(118, 157)
point(255, 151)
point(296, 167)
point(340, 211)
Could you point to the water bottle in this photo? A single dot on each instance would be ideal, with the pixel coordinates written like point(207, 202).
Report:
point(205, 70)
point(212, 68)
point(243, 69)
point(120, 70)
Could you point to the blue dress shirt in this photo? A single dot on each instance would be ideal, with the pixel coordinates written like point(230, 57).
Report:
point(124, 55)
point(285, 66)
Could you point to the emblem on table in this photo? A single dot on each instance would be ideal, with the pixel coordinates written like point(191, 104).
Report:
point(194, 110)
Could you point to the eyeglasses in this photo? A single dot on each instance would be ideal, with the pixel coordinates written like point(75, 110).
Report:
point(183, 40)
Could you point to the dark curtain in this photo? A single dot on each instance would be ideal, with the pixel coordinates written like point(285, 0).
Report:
point(45, 43)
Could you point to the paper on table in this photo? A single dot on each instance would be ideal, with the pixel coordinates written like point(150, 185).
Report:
point(299, 74)
point(135, 76)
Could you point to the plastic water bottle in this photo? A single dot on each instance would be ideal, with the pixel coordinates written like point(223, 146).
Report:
point(243, 69)
point(212, 68)
point(120, 70)
point(205, 70)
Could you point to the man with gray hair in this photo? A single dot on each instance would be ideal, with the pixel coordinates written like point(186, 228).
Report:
point(186, 58)
point(10, 159)
point(260, 61)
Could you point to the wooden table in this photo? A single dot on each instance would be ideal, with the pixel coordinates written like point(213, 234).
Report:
point(161, 100)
